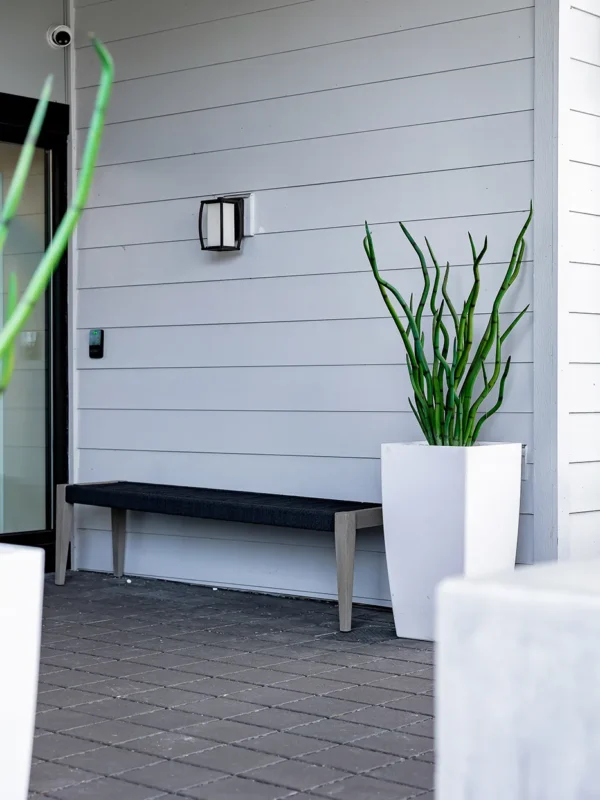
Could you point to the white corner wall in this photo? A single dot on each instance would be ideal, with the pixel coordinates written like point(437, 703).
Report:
point(584, 279)
point(278, 369)
point(26, 58)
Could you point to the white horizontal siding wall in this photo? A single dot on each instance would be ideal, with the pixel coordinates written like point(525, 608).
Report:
point(584, 280)
point(278, 369)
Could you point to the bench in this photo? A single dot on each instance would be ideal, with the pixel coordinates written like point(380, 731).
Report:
point(338, 517)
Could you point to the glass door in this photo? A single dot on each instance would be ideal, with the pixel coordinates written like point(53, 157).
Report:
point(34, 409)
point(24, 406)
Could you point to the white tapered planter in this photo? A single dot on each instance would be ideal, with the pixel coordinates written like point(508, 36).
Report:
point(21, 594)
point(446, 511)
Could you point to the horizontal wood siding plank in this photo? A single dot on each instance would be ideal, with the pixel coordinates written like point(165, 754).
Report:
point(501, 139)
point(591, 6)
point(340, 478)
point(584, 238)
point(122, 19)
point(585, 34)
point(396, 103)
point(584, 284)
point(348, 435)
point(583, 87)
point(217, 562)
point(238, 564)
point(314, 343)
point(460, 193)
point(352, 388)
point(584, 536)
point(584, 335)
point(584, 438)
point(584, 387)
point(98, 519)
point(475, 42)
point(585, 188)
point(83, 3)
point(331, 251)
point(291, 28)
point(350, 295)
point(584, 487)
point(584, 137)
point(249, 23)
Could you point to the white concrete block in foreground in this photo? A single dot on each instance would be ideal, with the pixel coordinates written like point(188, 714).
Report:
point(21, 594)
point(518, 707)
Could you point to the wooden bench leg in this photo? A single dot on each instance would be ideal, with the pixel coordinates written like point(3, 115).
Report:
point(64, 534)
point(345, 545)
point(119, 521)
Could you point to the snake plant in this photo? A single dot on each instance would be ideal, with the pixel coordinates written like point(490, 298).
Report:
point(18, 310)
point(450, 387)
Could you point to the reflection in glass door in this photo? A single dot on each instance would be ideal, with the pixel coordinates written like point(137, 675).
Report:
point(24, 418)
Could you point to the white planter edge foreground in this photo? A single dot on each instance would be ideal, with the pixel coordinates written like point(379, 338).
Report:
point(447, 511)
point(21, 598)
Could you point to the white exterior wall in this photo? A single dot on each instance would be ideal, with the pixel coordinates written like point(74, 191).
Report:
point(278, 369)
point(25, 56)
point(584, 278)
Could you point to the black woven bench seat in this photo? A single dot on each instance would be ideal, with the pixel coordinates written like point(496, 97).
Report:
point(261, 509)
point(337, 517)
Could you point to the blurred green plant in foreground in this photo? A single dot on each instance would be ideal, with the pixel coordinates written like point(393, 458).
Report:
point(18, 310)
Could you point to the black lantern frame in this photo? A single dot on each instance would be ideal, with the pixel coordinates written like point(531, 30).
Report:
point(238, 217)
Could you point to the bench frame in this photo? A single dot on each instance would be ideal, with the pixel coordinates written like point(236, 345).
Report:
point(346, 525)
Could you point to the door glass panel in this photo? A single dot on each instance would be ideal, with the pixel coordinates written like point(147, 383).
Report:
point(23, 408)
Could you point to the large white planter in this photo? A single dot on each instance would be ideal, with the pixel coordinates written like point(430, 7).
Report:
point(21, 594)
point(446, 511)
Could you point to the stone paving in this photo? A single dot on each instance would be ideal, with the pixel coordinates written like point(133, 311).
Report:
point(159, 690)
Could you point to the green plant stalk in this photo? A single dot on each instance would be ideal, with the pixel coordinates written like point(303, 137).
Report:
point(421, 419)
point(438, 276)
point(497, 404)
point(426, 280)
point(8, 362)
point(467, 320)
point(451, 399)
point(416, 354)
point(488, 383)
point(53, 255)
point(449, 304)
point(490, 334)
point(443, 390)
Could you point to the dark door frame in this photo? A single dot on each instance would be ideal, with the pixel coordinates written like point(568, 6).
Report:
point(15, 116)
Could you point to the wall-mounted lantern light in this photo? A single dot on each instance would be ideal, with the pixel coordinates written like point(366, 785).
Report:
point(221, 223)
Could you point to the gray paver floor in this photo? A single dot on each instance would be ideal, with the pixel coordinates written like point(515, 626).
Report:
point(161, 690)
